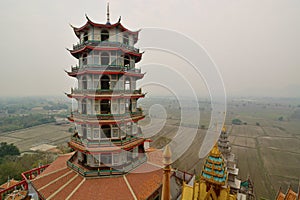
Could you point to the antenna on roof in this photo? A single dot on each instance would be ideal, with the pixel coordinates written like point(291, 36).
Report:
point(107, 13)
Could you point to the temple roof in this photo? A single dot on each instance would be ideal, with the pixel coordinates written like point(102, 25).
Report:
point(60, 182)
point(107, 25)
point(214, 169)
point(289, 195)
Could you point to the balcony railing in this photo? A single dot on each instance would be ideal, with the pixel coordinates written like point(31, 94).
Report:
point(98, 67)
point(76, 114)
point(105, 172)
point(104, 92)
point(105, 142)
point(105, 44)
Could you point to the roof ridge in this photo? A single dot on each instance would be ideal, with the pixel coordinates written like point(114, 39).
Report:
point(39, 177)
point(62, 187)
point(78, 186)
point(129, 187)
point(41, 188)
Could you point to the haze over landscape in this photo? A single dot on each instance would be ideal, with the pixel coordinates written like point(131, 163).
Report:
point(255, 44)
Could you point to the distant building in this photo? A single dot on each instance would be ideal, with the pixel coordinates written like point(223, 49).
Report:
point(289, 195)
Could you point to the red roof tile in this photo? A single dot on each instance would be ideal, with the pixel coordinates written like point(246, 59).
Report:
point(64, 192)
point(41, 181)
point(56, 185)
point(103, 188)
point(145, 180)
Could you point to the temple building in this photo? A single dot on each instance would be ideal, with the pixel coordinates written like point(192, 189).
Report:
point(289, 195)
point(110, 161)
point(212, 182)
point(230, 161)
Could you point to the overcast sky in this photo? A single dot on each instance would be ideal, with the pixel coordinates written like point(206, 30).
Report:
point(254, 43)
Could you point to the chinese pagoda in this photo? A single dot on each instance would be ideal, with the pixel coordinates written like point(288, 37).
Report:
point(110, 161)
point(107, 138)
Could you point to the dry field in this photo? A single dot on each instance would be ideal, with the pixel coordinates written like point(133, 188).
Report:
point(44, 134)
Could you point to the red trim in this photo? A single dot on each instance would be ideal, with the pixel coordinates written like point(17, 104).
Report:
point(74, 74)
point(73, 52)
point(79, 96)
point(102, 122)
point(89, 22)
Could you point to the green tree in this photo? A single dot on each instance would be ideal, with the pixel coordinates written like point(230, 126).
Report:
point(236, 121)
point(8, 149)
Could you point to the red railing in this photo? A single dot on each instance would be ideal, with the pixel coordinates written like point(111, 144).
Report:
point(26, 176)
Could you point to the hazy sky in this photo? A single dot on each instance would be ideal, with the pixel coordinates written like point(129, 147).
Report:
point(255, 43)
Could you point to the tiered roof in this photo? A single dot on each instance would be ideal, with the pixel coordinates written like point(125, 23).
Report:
point(214, 170)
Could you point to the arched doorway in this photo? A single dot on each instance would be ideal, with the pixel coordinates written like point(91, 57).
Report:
point(105, 82)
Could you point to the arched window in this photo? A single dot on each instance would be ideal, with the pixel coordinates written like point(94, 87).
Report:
point(105, 106)
point(104, 58)
point(105, 131)
point(105, 82)
point(84, 83)
point(83, 107)
point(125, 39)
point(104, 35)
point(126, 61)
point(127, 84)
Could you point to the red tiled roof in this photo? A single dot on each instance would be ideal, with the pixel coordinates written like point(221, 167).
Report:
point(8, 184)
point(59, 163)
point(66, 191)
point(60, 182)
point(41, 181)
point(103, 188)
point(145, 180)
point(56, 185)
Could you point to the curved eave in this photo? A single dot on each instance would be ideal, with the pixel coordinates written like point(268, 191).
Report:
point(108, 96)
point(78, 51)
point(105, 122)
point(108, 26)
point(94, 150)
point(74, 74)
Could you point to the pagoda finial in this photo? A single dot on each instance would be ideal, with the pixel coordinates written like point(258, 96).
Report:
point(107, 13)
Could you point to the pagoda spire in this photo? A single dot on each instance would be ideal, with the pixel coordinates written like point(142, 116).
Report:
point(107, 13)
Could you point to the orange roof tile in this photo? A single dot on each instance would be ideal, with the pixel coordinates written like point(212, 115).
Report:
point(58, 182)
point(145, 180)
point(8, 184)
point(48, 190)
point(64, 192)
point(103, 188)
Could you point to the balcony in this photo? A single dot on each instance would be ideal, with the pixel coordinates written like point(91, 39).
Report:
point(106, 142)
point(138, 112)
point(105, 44)
point(96, 68)
point(105, 94)
point(117, 170)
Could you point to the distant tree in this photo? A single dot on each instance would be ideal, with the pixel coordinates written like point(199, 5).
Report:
point(245, 123)
point(202, 127)
point(257, 124)
point(236, 121)
point(8, 149)
point(280, 118)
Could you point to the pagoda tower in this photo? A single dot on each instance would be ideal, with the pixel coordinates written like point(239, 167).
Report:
point(107, 139)
point(230, 160)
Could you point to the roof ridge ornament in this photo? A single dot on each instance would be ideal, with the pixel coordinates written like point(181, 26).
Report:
point(107, 13)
